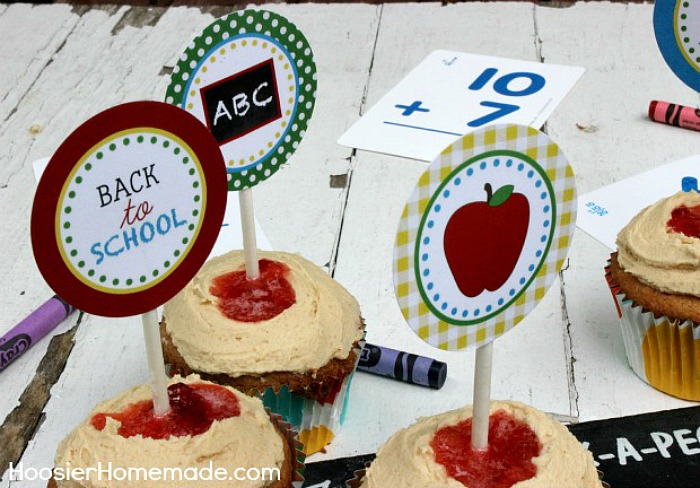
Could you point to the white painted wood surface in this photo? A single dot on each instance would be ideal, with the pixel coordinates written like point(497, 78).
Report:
point(78, 63)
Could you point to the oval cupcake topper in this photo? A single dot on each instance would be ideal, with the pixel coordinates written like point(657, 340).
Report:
point(128, 209)
point(483, 235)
point(677, 29)
point(251, 78)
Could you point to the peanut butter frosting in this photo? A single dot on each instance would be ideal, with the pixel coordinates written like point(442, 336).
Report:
point(666, 260)
point(408, 460)
point(246, 441)
point(322, 324)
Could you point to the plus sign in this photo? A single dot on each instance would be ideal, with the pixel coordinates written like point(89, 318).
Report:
point(414, 107)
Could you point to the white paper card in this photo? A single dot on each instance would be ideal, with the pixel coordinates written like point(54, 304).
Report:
point(231, 235)
point(452, 93)
point(604, 212)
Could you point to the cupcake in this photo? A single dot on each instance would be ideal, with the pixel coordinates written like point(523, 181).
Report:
point(291, 336)
point(655, 280)
point(212, 436)
point(526, 449)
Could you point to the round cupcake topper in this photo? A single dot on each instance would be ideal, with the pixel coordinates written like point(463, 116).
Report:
point(251, 78)
point(677, 28)
point(483, 235)
point(128, 208)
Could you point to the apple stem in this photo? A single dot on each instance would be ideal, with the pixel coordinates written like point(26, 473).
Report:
point(489, 192)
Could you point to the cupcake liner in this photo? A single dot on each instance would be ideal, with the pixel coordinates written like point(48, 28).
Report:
point(664, 352)
point(317, 421)
point(295, 445)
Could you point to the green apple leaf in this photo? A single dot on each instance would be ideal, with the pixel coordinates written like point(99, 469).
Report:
point(501, 195)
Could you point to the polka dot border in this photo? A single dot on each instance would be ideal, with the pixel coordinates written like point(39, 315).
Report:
point(276, 28)
point(675, 29)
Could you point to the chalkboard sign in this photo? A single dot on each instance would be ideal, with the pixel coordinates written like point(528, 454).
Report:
point(655, 450)
point(242, 102)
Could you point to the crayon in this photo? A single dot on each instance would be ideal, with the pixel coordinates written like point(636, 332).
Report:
point(402, 366)
point(30, 330)
point(673, 114)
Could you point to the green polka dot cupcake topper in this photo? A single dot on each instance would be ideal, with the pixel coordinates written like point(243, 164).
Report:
point(483, 235)
point(677, 29)
point(250, 77)
point(128, 209)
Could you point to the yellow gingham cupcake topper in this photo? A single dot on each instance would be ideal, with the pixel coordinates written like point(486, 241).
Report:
point(483, 235)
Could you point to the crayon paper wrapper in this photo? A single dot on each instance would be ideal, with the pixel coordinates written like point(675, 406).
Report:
point(662, 351)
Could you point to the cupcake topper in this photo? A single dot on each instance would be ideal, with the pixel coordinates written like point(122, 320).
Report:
point(251, 78)
point(126, 212)
point(677, 29)
point(481, 239)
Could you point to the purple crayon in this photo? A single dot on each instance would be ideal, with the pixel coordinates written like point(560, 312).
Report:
point(30, 330)
point(402, 366)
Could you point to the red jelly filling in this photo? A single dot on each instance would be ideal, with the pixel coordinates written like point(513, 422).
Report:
point(506, 461)
point(255, 300)
point(685, 220)
point(193, 408)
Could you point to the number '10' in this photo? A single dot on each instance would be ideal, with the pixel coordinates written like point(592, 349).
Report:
point(501, 86)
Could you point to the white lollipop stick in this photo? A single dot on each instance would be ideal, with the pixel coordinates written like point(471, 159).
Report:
point(154, 352)
point(250, 245)
point(482, 397)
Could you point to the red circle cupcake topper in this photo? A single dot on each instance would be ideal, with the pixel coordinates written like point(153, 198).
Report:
point(483, 235)
point(128, 208)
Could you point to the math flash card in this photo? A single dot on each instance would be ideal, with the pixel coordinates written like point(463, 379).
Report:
point(602, 213)
point(452, 93)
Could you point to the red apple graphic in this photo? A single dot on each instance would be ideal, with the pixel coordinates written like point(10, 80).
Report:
point(483, 240)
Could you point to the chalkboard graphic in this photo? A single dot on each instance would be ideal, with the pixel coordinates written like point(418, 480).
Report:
point(251, 78)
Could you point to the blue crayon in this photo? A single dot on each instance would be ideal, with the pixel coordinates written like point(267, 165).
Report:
point(402, 366)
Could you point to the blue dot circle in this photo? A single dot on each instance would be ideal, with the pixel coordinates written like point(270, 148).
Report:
point(470, 172)
point(458, 181)
point(476, 312)
point(509, 163)
point(538, 253)
point(426, 272)
point(488, 308)
point(483, 165)
point(426, 240)
point(522, 281)
point(543, 238)
point(430, 286)
point(446, 194)
point(431, 224)
point(444, 306)
point(521, 166)
point(511, 292)
point(530, 174)
point(465, 313)
point(531, 267)
point(496, 162)
point(424, 257)
point(538, 183)
point(454, 311)
point(436, 297)
point(546, 208)
point(543, 195)
point(500, 301)
point(438, 208)
point(545, 223)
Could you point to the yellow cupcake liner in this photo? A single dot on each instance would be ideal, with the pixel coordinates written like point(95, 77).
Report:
point(662, 351)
